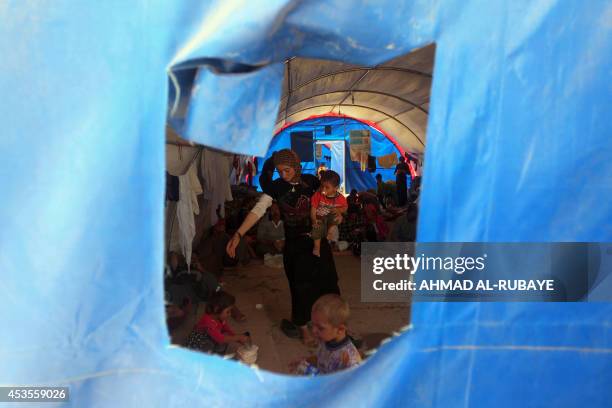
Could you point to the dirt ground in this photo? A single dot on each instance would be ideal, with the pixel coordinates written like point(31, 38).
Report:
point(258, 284)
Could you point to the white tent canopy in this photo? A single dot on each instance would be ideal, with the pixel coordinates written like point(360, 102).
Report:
point(394, 95)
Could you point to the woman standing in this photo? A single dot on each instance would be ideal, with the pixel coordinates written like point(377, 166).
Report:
point(309, 277)
point(401, 171)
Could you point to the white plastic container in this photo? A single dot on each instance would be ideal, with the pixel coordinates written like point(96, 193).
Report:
point(248, 354)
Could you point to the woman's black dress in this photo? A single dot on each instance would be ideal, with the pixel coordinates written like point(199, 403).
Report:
point(309, 276)
point(401, 171)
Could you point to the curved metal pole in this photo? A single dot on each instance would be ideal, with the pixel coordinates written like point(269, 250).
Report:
point(359, 106)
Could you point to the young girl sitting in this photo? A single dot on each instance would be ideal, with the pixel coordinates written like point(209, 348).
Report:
point(212, 334)
point(326, 208)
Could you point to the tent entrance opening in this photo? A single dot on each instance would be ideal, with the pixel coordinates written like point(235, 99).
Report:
point(331, 155)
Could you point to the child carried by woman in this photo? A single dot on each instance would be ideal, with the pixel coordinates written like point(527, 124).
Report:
point(326, 208)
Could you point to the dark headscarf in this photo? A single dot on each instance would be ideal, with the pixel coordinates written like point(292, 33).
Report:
point(288, 157)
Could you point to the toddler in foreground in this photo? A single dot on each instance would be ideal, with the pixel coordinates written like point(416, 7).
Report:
point(336, 350)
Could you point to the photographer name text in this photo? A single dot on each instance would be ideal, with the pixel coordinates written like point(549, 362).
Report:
point(466, 285)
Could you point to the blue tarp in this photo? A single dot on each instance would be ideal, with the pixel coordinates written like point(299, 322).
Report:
point(340, 129)
point(518, 149)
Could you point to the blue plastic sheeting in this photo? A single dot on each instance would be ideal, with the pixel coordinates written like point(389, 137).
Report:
point(381, 145)
point(520, 101)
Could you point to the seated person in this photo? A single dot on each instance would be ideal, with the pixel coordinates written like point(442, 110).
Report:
point(270, 233)
point(380, 190)
point(351, 226)
point(327, 207)
point(212, 257)
point(366, 197)
point(336, 350)
point(185, 288)
point(193, 284)
point(212, 334)
point(212, 250)
point(354, 203)
point(414, 195)
point(376, 221)
point(404, 228)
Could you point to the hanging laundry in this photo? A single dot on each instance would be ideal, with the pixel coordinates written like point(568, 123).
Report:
point(355, 154)
point(179, 158)
point(246, 168)
point(172, 187)
point(360, 147)
point(242, 164)
point(363, 161)
point(249, 173)
point(361, 158)
point(189, 189)
point(243, 170)
point(236, 170)
point(195, 186)
point(215, 167)
point(388, 161)
point(412, 169)
point(360, 140)
point(371, 164)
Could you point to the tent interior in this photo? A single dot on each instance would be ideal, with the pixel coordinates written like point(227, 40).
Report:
point(355, 120)
point(325, 108)
point(323, 101)
point(394, 95)
point(325, 141)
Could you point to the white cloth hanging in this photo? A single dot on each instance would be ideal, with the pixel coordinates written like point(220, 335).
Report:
point(216, 168)
point(243, 167)
point(189, 189)
point(179, 158)
point(195, 186)
point(235, 172)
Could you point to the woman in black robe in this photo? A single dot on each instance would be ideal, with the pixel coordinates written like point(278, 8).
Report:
point(309, 277)
point(401, 172)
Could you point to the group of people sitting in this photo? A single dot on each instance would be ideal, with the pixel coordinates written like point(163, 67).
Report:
point(187, 286)
point(373, 218)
